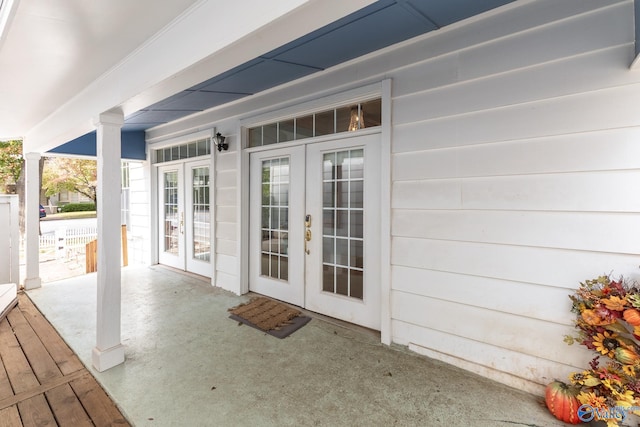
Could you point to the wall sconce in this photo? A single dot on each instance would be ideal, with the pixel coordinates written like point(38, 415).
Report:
point(218, 141)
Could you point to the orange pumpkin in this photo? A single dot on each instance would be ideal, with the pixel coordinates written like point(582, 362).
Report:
point(562, 402)
point(632, 316)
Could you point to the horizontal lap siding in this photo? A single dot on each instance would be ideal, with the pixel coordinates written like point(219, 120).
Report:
point(513, 164)
point(140, 214)
point(226, 275)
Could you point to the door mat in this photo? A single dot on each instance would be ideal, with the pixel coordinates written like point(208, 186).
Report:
point(273, 317)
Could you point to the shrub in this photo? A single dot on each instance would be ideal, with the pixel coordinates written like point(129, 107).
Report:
point(79, 207)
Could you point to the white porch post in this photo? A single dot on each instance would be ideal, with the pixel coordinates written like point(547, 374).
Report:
point(108, 352)
point(32, 278)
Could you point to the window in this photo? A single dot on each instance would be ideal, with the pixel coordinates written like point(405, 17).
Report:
point(198, 148)
point(347, 118)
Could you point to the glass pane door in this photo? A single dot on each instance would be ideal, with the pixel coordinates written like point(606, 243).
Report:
point(198, 212)
point(276, 261)
point(342, 275)
point(171, 221)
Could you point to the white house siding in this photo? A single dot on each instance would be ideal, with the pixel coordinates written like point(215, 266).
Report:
point(514, 149)
point(139, 234)
point(513, 162)
point(226, 209)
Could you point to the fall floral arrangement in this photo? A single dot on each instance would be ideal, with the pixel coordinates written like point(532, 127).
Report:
point(608, 322)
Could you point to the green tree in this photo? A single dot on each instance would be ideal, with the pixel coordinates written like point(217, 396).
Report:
point(12, 173)
point(66, 174)
point(11, 164)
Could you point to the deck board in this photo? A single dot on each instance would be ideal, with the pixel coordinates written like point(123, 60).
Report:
point(42, 382)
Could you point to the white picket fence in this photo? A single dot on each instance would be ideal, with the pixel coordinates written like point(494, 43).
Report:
point(67, 243)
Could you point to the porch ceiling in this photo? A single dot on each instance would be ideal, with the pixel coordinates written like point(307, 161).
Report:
point(55, 52)
point(379, 25)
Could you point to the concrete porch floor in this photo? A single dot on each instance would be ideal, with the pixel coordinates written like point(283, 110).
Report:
point(188, 364)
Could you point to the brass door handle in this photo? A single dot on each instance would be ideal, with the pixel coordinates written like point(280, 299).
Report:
point(307, 239)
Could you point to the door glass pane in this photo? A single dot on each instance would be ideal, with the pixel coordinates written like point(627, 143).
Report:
point(201, 217)
point(170, 214)
point(275, 219)
point(343, 222)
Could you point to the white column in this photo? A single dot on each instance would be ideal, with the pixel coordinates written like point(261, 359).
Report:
point(32, 278)
point(108, 352)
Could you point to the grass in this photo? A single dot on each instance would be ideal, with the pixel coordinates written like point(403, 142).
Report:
point(69, 215)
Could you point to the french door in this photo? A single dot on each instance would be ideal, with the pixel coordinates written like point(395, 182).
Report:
point(184, 234)
point(315, 227)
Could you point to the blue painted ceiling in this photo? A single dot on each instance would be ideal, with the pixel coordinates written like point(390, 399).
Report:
point(379, 25)
point(374, 27)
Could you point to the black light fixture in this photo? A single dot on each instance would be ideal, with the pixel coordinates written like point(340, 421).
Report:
point(218, 141)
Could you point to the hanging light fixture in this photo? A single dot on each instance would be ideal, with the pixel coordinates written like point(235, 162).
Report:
point(218, 141)
point(356, 120)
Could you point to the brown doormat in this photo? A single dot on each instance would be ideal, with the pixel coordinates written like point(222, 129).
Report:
point(273, 317)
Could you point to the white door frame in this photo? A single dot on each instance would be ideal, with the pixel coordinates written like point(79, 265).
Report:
point(365, 311)
point(383, 89)
point(290, 290)
point(175, 224)
point(304, 180)
point(203, 268)
point(183, 225)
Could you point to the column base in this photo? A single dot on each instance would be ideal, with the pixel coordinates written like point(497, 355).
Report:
point(34, 283)
point(107, 359)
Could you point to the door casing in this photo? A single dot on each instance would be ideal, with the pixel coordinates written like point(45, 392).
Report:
point(309, 294)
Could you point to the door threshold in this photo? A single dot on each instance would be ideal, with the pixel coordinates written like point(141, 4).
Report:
point(196, 276)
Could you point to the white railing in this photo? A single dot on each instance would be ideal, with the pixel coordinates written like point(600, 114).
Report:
point(69, 242)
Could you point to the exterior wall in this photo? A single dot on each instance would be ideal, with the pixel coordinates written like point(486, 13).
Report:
point(139, 234)
point(65, 197)
point(513, 142)
point(226, 208)
point(511, 163)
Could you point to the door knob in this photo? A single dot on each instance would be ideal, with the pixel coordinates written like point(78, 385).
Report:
point(307, 233)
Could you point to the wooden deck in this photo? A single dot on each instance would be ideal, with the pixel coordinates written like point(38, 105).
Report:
point(42, 382)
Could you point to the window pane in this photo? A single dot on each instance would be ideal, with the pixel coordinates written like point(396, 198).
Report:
point(275, 218)
point(255, 137)
point(343, 118)
point(357, 224)
point(342, 281)
point(325, 123)
point(356, 253)
point(201, 219)
point(371, 113)
point(356, 284)
point(202, 147)
point(304, 127)
point(327, 278)
point(192, 150)
point(270, 134)
point(286, 131)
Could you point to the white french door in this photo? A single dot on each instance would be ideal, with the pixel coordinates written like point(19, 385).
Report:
point(184, 233)
point(315, 227)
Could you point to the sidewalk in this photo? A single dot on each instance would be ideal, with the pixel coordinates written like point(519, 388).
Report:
point(53, 269)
